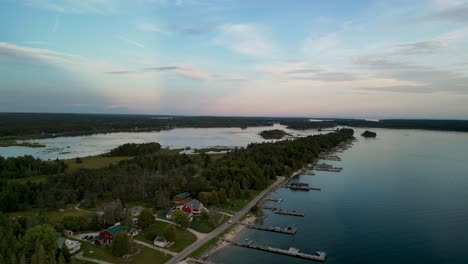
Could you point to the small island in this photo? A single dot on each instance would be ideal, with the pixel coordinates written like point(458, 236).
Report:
point(369, 134)
point(273, 134)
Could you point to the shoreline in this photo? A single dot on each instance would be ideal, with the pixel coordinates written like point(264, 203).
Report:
point(233, 233)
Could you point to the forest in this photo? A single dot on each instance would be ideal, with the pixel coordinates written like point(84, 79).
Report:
point(273, 134)
point(15, 126)
point(163, 173)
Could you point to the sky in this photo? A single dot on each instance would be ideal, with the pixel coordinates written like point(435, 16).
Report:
point(348, 58)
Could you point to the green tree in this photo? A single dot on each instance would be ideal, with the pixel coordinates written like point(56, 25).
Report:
point(170, 232)
point(121, 244)
point(180, 218)
point(66, 254)
point(145, 219)
point(39, 256)
point(45, 235)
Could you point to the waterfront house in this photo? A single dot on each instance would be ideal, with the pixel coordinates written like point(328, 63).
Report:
point(136, 210)
point(72, 245)
point(108, 235)
point(182, 198)
point(194, 207)
point(161, 242)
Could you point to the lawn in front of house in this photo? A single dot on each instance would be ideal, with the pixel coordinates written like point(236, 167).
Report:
point(148, 255)
point(183, 238)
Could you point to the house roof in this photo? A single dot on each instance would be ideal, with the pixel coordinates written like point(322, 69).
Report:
point(182, 195)
point(116, 229)
point(194, 204)
point(160, 239)
point(61, 241)
point(137, 208)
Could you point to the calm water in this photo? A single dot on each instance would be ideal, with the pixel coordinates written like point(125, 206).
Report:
point(401, 198)
point(72, 147)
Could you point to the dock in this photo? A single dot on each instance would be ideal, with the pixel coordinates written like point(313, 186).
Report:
point(297, 186)
point(277, 200)
point(277, 210)
point(290, 230)
point(326, 167)
point(293, 252)
point(288, 212)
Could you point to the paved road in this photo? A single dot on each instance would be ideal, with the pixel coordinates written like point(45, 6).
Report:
point(155, 247)
point(188, 250)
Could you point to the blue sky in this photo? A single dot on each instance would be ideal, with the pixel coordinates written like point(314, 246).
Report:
point(405, 59)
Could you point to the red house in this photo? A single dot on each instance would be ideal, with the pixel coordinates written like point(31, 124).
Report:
point(182, 198)
point(108, 235)
point(194, 207)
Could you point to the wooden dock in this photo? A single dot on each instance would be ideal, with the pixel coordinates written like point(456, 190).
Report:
point(293, 252)
point(277, 200)
point(277, 210)
point(298, 186)
point(291, 230)
point(288, 212)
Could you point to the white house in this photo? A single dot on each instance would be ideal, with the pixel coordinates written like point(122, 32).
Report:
point(136, 210)
point(72, 245)
point(161, 242)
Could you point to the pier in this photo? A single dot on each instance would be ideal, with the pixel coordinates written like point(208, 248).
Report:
point(293, 252)
point(277, 210)
point(297, 186)
point(291, 230)
point(288, 212)
point(277, 200)
point(327, 167)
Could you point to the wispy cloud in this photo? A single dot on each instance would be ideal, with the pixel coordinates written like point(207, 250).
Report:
point(54, 58)
point(147, 26)
point(132, 42)
point(73, 6)
point(56, 23)
point(143, 70)
point(248, 39)
point(316, 45)
point(35, 42)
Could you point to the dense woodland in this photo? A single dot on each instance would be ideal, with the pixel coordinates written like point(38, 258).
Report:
point(163, 173)
point(273, 134)
point(17, 125)
point(303, 124)
point(27, 166)
point(22, 125)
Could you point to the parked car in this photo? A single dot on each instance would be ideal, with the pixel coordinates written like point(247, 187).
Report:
point(85, 238)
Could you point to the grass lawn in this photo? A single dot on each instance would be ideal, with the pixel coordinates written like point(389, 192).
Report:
point(202, 225)
point(148, 255)
point(99, 252)
point(93, 162)
point(182, 239)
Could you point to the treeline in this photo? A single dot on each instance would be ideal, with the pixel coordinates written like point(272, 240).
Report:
point(254, 167)
point(161, 175)
point(27, 166)
point(30, 240)
point(17, 125)
point(273, 134)
point(131, 149)
point(442, 125)
point(304, 124)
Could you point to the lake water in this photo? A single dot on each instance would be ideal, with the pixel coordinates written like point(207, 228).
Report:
point(82, 146)
point(401, 198)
